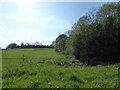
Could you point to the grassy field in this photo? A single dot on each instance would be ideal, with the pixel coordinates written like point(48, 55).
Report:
point(44, 68)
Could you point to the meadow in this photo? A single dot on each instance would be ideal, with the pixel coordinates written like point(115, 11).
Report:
point(45, 68)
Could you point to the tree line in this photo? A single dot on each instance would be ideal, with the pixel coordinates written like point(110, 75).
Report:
point(28, 45)
point(94, 38)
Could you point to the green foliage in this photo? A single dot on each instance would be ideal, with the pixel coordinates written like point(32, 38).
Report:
point(12, 45)
point(60, 43)
point(96, 42)
point(91, 42)
point(105, 11)
point(36, 71)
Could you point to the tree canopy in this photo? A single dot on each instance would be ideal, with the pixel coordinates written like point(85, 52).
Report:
point(60, 43)
point(94, 40)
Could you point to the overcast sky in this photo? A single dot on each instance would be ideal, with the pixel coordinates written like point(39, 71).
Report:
point(39, 21)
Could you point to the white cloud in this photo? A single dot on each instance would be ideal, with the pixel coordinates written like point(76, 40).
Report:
point(46, 19)
point(23, 14)
point(17, 36)
point(26, 1)
point(27, 34)
point(1, 27)
point(19, 1)
point(28, 24)
point(54, 24)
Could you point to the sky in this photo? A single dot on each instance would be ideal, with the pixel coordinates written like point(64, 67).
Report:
point(39, 21)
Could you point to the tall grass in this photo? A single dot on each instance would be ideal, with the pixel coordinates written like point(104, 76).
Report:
point(32, 68)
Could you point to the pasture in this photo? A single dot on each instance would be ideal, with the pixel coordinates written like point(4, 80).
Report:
point(45, 68)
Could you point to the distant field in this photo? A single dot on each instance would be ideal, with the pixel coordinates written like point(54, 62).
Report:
point(44, 68)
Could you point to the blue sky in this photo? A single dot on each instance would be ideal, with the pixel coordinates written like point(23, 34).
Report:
point(39, 21)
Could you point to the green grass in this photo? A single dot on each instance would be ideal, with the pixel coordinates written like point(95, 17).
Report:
point(33, 68)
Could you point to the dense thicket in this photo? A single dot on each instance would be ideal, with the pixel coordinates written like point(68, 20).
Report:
point(96, 40)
